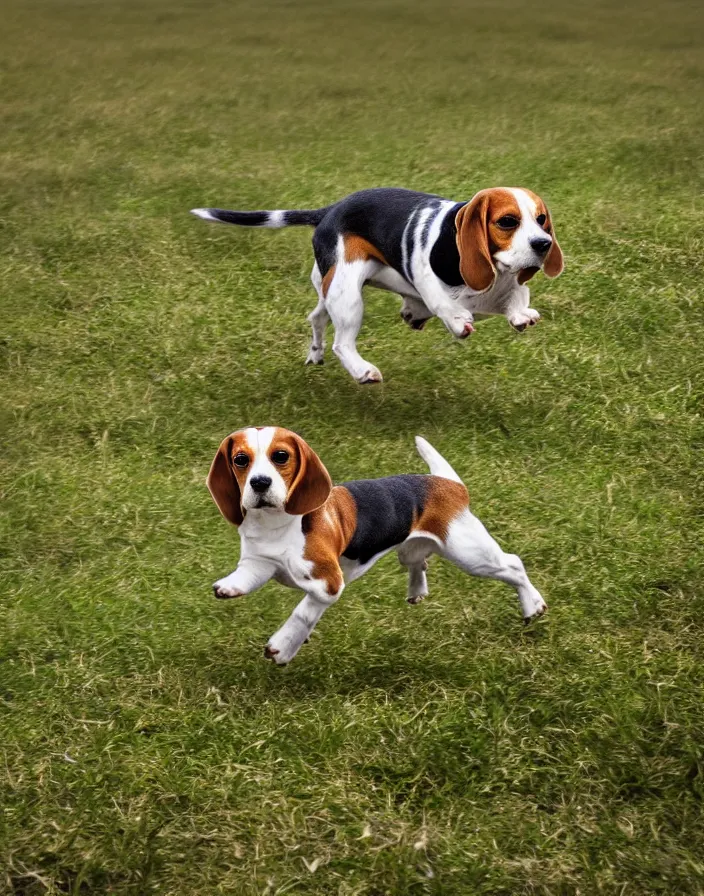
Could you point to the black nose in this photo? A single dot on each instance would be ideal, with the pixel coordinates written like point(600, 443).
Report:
point(260, 483)
point(540, 246)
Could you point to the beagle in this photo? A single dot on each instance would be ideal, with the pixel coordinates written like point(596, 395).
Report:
point(447, 259)
point(297, 528)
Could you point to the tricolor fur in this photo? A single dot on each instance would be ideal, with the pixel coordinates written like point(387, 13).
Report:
point(447, 259)
point(299, 529)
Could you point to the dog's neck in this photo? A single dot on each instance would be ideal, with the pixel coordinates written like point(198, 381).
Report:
point(268, 523)
point(504, 283)
point(505, 280)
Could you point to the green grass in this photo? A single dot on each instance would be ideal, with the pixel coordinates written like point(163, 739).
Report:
point(147, 746)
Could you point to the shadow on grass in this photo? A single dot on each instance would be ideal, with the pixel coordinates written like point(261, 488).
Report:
point(383, 664)
point(445, 392)
point(383, 409)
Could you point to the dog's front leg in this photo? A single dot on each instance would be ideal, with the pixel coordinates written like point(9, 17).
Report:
point(458, 320)
point(249, 575)
point(517, 312)
point(287, 641)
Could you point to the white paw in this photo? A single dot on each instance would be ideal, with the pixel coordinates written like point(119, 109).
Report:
point(528, 317)
point(461, 325)
point(370, 376)
point(534, 607)
point(315, 356)
point(223, 591)
point(282, 648)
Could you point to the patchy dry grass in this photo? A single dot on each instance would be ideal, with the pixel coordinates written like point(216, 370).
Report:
point(147, 746)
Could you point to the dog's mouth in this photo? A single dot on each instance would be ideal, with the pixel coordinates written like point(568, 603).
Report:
point(262, 502)
point(530, 261)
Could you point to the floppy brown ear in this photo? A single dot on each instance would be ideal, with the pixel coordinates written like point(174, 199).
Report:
point(472, 223)
point(554, 262)
point(311, 485)
point(224, 486)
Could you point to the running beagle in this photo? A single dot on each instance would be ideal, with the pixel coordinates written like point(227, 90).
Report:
point(299, 529)
point(452, 260)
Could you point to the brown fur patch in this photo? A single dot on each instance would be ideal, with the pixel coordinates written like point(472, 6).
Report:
point(359, 249)
point(225, 481)
point(285, 440)
point(445, 500)
point(478, 237)
point(327, 280)
point(501, 202)
point(307, 481)
point(540, 207)
point(328, 531)
point(239, 444)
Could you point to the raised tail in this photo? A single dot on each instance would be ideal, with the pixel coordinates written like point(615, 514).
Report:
point(437, 463)
point(311, 217)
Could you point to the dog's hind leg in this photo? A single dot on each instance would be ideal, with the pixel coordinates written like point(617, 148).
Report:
point(319, 319)
point(469, 546)
point(413, 554)
point(417, 583)
point(345, 306)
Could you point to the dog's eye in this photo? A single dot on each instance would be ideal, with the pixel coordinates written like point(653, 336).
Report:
point(541, 219)
point(508, 222)
point(280, 457)
point(241, 460)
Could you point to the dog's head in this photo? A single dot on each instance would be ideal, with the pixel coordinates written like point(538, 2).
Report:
point(269, 469)
point(505, 230)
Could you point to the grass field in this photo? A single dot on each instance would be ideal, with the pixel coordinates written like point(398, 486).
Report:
point(147, 746)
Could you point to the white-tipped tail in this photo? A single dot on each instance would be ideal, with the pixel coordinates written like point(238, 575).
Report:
point(275, 218)
point(437, 463)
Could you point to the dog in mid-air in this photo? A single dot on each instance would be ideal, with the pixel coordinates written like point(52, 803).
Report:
point(446, 259)
point(299, 529)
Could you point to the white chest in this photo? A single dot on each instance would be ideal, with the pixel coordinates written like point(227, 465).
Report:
point(495, 301)
point(282, 544)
